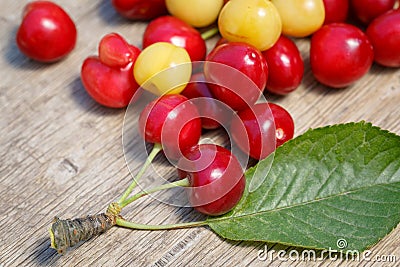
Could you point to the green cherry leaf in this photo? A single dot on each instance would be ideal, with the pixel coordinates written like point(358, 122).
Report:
point(336, 187)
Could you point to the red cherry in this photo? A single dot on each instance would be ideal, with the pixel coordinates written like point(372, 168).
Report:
point(284, 125)
point(173, 121)
point(340, 54)
point(230, 85)
point(114, 51)
point(109, 79)
point(173, 30)
point(258, 130)
point(253, 130)
point(384, 34)
point(140, 9)
point(367, 10)
point(216, 179)
point(336, 10)
point(47, 33)
point(111, 87)
point(285, 66)
point(212, 112)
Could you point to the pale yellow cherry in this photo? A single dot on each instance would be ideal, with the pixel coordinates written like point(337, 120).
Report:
point(256, 22)
point(300, 18)
point(163, 68)
point(198, 13)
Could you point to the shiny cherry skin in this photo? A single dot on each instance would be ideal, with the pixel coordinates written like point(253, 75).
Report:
point(114, 51)
point(384, 34)
point(285, 66)
point(47, 33)
point(284, 124)
point(234, 83)
point(140, 9)
point(340, 54)
point(173, 30)
point(258, 130)
point(108, 78)
point(336, 10)
point(173, 121)
point(211, 112)
point(253, 131)
point(216, 179)
point(367, 10)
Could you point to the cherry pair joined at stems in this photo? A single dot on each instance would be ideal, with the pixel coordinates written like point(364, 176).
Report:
point(213, 173)
point(213, 178)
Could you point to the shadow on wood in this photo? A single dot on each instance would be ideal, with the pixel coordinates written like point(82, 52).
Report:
point(43, 254)
point(14, 57)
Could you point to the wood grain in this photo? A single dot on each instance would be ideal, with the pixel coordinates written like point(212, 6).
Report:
point(62, 155)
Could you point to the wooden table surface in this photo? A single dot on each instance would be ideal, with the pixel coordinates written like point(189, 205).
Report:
point(62, 155)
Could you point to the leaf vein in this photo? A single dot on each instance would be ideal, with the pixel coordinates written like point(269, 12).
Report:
point(266, 195)
point(324, 229)
point(266, 222)
point(356, 213)
point(234, 215)
point(308, 234)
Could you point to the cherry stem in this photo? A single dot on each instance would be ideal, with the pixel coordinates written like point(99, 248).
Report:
point(209, 33)
point(183, 183)
point(138, 226)
point(155, 150)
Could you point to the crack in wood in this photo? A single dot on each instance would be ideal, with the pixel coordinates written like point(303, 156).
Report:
point(69, 166)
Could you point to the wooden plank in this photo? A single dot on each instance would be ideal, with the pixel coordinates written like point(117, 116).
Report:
point(62, 155)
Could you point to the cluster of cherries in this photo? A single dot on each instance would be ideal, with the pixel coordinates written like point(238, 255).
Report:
point(256, 53)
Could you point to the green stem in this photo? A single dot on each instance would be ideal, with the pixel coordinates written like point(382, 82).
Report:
point(209, 33)
point(183, 183)
point(156, 148)
point(138, 226)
